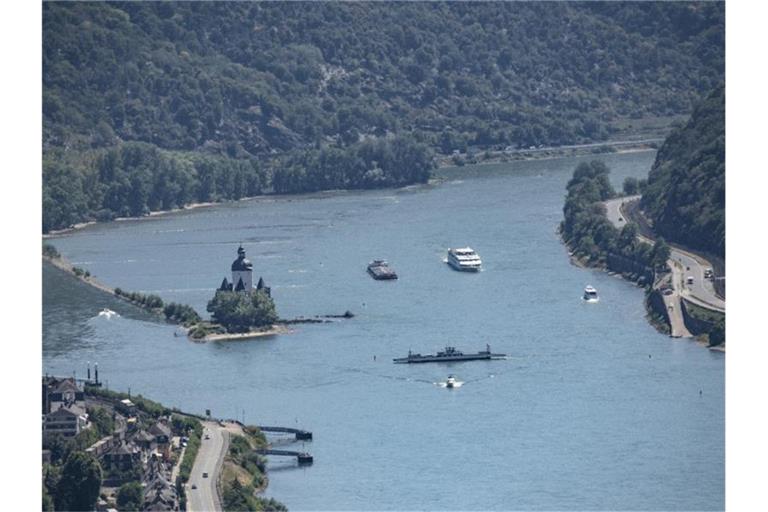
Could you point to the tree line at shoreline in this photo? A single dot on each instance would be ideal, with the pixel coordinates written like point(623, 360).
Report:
point(134, 179)
point(152, 106)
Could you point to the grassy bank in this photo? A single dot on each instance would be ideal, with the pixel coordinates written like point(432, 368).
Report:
point(244, 474)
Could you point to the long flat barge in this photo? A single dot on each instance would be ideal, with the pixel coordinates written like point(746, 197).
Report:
point(380, 270)
point(450, 354)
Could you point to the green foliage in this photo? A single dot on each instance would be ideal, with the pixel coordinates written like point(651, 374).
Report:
point(102, 421)
point(50, 251)
point(239, 312)
point(150, 301)
point(154, 105)
point(130, 497)
point(685, 195)
point(631, 186)
point(193, 446)
point(78, 487)
point(587, 230)
point(47, 505)
point(717, 334)
point(146, 405)
point(181, 313)
point(79, 272)
point(51, 475)
point(660, 253)
point(370, 164)
point(239, 497)
point(185, 425)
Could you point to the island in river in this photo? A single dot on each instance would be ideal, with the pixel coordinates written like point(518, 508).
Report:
point(224, 327)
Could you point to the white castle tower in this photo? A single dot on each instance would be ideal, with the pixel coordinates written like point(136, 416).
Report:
point(242, 272)
point(242, 277)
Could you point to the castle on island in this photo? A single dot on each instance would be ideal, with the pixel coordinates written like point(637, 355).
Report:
point(242, 276)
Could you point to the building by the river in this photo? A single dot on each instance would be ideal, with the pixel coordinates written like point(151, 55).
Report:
point(242, 276)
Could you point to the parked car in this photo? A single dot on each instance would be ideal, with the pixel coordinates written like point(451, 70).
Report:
point(205, 475)
point(689, 279)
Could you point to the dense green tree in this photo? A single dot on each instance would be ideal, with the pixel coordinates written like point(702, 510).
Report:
point(78, 487)
point(685, 195)
point(151, 106)
point(130, 497)
point(717, 334)
point(102, 421)
point(661, 252)
point(239, 312)
point(630, 186)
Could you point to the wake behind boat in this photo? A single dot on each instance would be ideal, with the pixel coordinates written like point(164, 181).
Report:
point(449, 354)
point(107, 313)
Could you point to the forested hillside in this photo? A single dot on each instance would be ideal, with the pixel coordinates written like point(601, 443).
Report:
point(247, 86)
point(685, 196)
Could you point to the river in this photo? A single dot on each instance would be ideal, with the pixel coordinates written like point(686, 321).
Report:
point(593, 409)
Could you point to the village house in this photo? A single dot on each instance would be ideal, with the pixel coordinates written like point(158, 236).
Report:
point(66, 420)
point(162, 434)
point(61, 391)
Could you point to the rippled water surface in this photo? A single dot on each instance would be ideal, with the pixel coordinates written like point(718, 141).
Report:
point(593, 410)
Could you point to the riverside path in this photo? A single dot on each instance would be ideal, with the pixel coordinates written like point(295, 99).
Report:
point(672, 301)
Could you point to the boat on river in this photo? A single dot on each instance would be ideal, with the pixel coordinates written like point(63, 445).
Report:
point(380, 270)
point(450, 354)
point(464, 259)
point(590, 294)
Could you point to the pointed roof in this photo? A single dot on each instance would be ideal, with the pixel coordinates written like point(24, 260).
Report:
point(72, 410)
point(240, 285)
point(160, 429)
point(241, 263)
point(66, 385)
point(261, 283)
point(224, 285)
point(144, 436)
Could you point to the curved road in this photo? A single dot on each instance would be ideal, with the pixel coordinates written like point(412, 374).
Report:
point(205, 497)
point(701, 292)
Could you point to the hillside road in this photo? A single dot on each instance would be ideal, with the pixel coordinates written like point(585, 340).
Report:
point(701, 292)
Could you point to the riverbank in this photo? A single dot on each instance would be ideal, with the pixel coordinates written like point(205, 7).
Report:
point(443, 161)
point(197, 330)
point(547, 153)
point(273, 330)
point(212, 330)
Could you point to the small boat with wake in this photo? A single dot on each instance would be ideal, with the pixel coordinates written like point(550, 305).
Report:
point(107, 313)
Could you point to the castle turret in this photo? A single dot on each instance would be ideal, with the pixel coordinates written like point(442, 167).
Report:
point(242, 271)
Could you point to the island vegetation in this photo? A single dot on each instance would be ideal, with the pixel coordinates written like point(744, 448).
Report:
point(154, 106)
point(241, 312)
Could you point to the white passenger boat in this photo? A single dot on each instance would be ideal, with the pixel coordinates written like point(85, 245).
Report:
point(590, 294)
point(464, 259)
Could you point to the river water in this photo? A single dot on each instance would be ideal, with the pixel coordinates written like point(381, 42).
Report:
point(593, 410)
